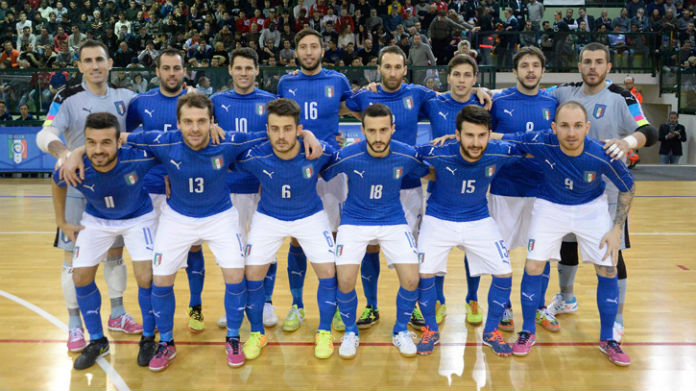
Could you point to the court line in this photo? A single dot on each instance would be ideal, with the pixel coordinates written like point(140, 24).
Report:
point(682, 267)
point(109, 370)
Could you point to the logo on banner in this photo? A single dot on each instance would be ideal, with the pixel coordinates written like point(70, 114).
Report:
point(599, 111)
point(120, 107)
point(17, 149)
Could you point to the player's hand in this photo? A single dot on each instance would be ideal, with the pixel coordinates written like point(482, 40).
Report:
point(167, 186)
point(484, 98)
point(616, 148)
point(440, 141)
point(313, 148)
point(217, 134)
point(612, 239)
point(73, 169)
point(70, 230)
point(372, 87)
point(340, 138)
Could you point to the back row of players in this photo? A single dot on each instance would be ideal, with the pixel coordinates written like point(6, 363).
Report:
point(322, 96)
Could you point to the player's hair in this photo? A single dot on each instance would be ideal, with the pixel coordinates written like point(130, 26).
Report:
point(571, 104)
point(103, 121)
point(473, 114)
point(91, 43)
point(284, 107)
point(196, 100)
point(246, 53)
point(528, 51)
point(378, 110)
point(460, 59)
point(594, 46)
point(393, 49)
point(305, 32)
point(171, 52)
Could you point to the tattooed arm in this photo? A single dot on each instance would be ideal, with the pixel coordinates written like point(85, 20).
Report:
point(612, 239)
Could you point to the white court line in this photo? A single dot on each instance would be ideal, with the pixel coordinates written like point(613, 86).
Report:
point(118, 381)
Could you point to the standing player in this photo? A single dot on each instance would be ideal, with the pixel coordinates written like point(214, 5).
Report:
point(67, 116)
point(156, 110)
point(376, 168)
point(117, 205)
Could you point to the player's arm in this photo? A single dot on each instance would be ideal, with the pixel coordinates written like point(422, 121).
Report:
point(73, 169)
point(630, 117)
point(313, 148)
point(59, 193)
point(612, 239)
point(57, 120)
point(344, 110)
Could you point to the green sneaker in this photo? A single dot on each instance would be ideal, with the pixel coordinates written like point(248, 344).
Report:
point(474, 315)
point(337, 322)
point(253, 345)
point(294, 319)
point(417, 321)
point(195, 324)
point(440, 312)
point(323, 344)
point(369, 317)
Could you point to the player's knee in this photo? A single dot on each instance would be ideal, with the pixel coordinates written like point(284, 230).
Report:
point(324, 270)
point(410, 282)
point(82, 277)
point(114, 253)
point(345, 283)
point(294, 242)
point(504, 275)
point(606, 271)
point(143, 273)
point(534, 268)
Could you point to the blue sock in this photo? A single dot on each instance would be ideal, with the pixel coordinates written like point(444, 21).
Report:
point(426, 301)
point(348, 308)
point(405, 301)
point(472, 284)
point(163, 305)
point(89, 300)
point(195, 270)
point(607, 302)
point(145, 301)
point(297, 268)
point(369, 273)
point(529, 295)
point(440, 288)
point(545, 276)
point(235, 303)
point(498, 296)
point(326, 298)
point(269, 282)
point(254, 305)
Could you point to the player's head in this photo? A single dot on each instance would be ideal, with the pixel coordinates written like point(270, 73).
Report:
point(570, 126)
point(283, 124)
point(244, 68)
point(594, 63)
point(94, 62)
point(473, 131)
point(102, 140)
point(309, 49)
point(194, 113)
point(461, 75)
point(528, 66)
point(170, 70)
point(378, 127)
point(392, 67)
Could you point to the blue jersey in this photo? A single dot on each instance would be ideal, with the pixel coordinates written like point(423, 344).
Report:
point(119, 193)
point(242, 113)
point(374, 184)
point(442, 111)
point(515, 112)
point(572, 180)
point(405, 104)
point(460, 187)
point(154, 111)
point(319, 97)
point(197, 178)
point(288, 187)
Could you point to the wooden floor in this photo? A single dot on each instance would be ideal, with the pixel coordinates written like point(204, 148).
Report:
point(660, 319)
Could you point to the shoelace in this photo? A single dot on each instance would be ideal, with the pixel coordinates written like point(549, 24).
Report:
point(524, 337)
point(197, 315)
point(75, 333)
point(235, 346)
point(497, 337)
point(614, 346)
point(366, 314)
point(161, 350)
point(417, 314)
point(428, 335)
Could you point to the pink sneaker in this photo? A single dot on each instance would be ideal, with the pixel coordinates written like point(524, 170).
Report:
point(612, 349)
point(235, 356)
point(76, 339)
point(126, 324)
point(524, 344)
point(165, 352)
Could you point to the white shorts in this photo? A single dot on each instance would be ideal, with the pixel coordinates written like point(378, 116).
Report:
point(481, 239)
point(176, 233)
point(551, 222)
point(94, 241)
point(412, 203)
point(333, 194)
point(246, 204)
point(267, 235)
point(513, 215)
point(75, 205)
point(158, 202)
point(396, 241)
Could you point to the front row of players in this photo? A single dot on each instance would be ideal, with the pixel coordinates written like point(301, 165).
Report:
point(571, 201)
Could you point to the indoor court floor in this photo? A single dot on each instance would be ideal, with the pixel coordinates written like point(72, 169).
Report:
point(659, 317)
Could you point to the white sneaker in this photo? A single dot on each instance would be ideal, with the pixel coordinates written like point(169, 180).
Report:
point(349, 345)
point(618, 331)
point(222, 322)
point(269, 317)
point(560, 306)
point(404, 341)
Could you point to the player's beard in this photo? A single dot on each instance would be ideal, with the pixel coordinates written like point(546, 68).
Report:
point(391, 85)
point(372, 147)
point(174, 90)
point(527, 86)
point(308, 67)
point(466, 153)
point(601, 78)
point(106, 163)
point(287, 148)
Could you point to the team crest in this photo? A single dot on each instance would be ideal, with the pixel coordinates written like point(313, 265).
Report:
point(490, 171)
point(307, 171)
point(421, 257)
point(530, 245)
point(131, 178)
point(408, 102)
point(599, 111)
point(329, 92)
point(17, 148)
point(157, 260)
point(217, 162)
point(398, 172)
point(339, 250)
point(247, 250)
point(590, 176)
point(120, 107)
point(546, 113)
point(260, 109)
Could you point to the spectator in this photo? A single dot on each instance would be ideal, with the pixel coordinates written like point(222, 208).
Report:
point(286, 53)
point(60, 37)
point(22, 23)
point(464, 48)
point(272, 34)
point(393, 19)
point(123, 55)
point(560, 41)
point(528, 37)
point(123, 22)
point(507, 41)
point(671, 135)
point(688, 35)
point(139, 84)
point(641, 20)
point(440, 32)
point(617, 45)
point(148, 55)
point(24, 114)
point(368, 51)
point(420, 55)
point(604, 20)
point(373, 21)
point(622, 21)
point(330, 33)
point(637, 45)
point(570, 21)
point(346, 36)
point(76, 38)
point(350, 55)
point(4, 115)
point(333, 54)
point(630, 85)
point(10, 56)
point(26, 38)
point(588, 19)
point(28, 58)
point(535, 12)
point(372, 75)
point(633, 6)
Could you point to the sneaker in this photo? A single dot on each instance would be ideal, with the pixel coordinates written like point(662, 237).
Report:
point(235, 356)
point(369, 317)
point(323, 344)
point(337, 322)
point(253, 345)
point(524, 343)
point(560, 306)
point(195, 324)
point(166, 351)
point(76, 339)
point(546, 320)
point(474, 315)
point(125, 324)
point(294, 318)
point(146, 351)
point(428, 341)
point(417, 321)
point(349, 346)
point(404, 341)
point(495, 340)
point(90, 354)
point(269, 317)
point(222, 322)
point(440, 312)
point(507, 323)
point(618, 331)
point(612, 349)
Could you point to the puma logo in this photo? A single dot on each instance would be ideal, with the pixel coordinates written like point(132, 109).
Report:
point(156, 140)
point(156, 314)
point(344, 315)
point(148, 112)
point(270, 174)
point(361, 173)
point(423, 303)
point(450, 170)
point(615, 301)
point(530, 298)
point(330, 302)
point(550, 163)
point(442, 114)
point(293, 92)
point(366, 278)
point(301, 274)
point(91, 187)
point(227, 108)
point(93, 312)
point(199, 272)
point(499, 303)
point(177, 164)
point(506, 111)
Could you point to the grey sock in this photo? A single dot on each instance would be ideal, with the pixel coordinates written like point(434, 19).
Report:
point(74, 319)
point(622, 298)
point(566, 279)
point(117, 307)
